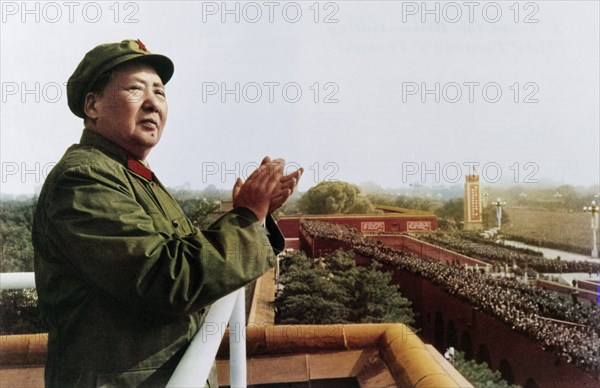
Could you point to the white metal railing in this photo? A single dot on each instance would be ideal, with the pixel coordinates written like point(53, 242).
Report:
point(17, 280)
point(196, 363)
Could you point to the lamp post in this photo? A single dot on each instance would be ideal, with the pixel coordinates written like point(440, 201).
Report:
point(499, 204)
point(593, 210)
point(523, 196)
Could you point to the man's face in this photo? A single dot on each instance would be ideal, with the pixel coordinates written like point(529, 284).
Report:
point(132, 110)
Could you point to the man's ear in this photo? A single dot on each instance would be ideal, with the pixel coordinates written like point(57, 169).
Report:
point(89, 105)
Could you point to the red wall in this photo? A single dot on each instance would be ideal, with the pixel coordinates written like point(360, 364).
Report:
point(391, 224)
point(589, 285)
point(581, 293)
point(524, 358)
point(289, 226)
point(319, 247)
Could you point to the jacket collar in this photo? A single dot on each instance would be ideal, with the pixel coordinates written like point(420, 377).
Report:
point(93, 139)
point(139, 168)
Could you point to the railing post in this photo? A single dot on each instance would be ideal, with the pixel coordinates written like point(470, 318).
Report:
point(194, 367)
point(237, 342)
point(17, 280)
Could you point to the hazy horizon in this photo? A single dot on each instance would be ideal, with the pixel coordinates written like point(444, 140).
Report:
point(455, 190)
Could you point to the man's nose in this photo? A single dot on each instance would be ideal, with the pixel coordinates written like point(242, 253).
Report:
point(151, 102)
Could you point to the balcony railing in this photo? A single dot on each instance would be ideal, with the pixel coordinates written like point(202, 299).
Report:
point(196, 363)
point(17, 280)
point(192, 371)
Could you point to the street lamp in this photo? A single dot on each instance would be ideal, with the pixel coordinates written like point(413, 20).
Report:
point(484, 195)
point(593, 210)
point(523, 196)
point(499, 204)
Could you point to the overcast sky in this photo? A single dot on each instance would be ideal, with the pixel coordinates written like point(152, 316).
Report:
point(379, 91)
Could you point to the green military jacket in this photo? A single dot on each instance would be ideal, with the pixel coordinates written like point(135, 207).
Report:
point(123, 277)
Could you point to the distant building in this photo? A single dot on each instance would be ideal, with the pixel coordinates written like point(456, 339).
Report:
point(389, 220)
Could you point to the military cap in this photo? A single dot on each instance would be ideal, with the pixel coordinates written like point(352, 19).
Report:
point(105, 57)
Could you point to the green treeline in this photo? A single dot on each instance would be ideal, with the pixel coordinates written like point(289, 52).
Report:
point(16, 251)
point(334, 289)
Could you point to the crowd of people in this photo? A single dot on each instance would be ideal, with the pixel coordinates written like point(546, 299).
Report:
point(499, 255)
point(570, 329)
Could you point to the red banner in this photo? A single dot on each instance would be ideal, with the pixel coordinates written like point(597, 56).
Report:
point(418, 226)
point(372, 227)
point(474, 205)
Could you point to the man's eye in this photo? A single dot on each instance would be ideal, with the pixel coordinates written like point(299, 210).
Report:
point(160, 92)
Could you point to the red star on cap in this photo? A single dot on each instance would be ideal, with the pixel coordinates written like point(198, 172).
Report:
point(142, 46)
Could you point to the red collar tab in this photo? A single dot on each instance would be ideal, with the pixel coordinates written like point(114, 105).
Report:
point(137, 167)
point(141, 45)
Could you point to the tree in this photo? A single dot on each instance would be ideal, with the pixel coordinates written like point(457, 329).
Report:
point(417, 203)
point(334, 198)
point(198, 210)
point(453, 211)
point(480, 375)
point(19, 313)
point(309, 295)
point(334, 289)
point(16, 249)
point(382, 199)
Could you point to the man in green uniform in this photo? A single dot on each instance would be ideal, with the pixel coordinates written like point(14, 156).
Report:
point(123, 277)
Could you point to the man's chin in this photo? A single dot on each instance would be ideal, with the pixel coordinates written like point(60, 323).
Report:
point(149, 139)
point(142, 147)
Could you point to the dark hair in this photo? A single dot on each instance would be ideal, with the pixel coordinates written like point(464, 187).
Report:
point(98, 86)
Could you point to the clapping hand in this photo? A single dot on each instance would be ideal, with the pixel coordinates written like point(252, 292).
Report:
point(266, 189)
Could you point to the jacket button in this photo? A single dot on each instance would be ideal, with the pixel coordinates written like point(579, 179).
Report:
point(175, 223)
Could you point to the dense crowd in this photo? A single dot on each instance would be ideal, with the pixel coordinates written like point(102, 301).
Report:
point(498, 255)
point(526, 309)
